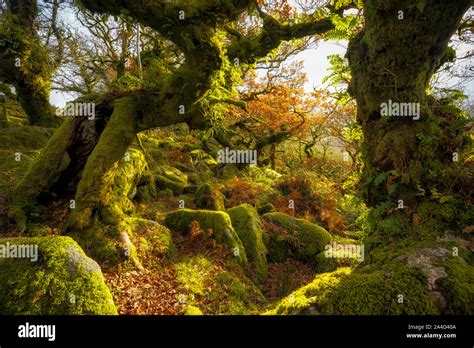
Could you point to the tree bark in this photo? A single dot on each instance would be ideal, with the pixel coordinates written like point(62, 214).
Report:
point(25, 63)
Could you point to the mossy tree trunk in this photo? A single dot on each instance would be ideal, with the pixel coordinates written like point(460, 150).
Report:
point(35, 102)
point(56, 170)
point(98, 174)
point(411, 166)
point(25, 63)
point(415, 172)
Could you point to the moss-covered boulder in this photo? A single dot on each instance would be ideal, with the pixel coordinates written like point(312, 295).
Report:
point(217, 221)
point(457, 287)
point(11, 112)
point(246, 222)
point(173, 174)
point(305, 299)
point(167, 177)
point(146, 188)
point(24, 138)
point(343, 253)
point(62, 280)
point(199, 155)
point(266, 208)
point(393, 289)
point(407, 277)
point(127, 243)
point(209, 197)
point(164, 183)
point(286, 236)
point(227, 171)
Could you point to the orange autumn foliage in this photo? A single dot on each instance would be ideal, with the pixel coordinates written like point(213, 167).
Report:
point(314, 199)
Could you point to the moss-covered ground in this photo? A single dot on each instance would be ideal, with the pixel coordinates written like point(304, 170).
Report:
point(181, 234)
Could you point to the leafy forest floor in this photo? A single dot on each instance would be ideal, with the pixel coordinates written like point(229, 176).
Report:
point(288, 215)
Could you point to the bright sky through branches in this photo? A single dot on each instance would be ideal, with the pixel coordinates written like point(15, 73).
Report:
point(315, 60)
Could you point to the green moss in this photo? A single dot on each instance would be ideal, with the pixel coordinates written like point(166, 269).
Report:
point(97, 191)
point(198, 156)
point(173, 174)
point(32, 77)
point(216, 289)
point(154, 239)
point(433, 279)
point(329, 264)
point(164, 183)
point(228, 171)
point(266, 208)
point(43, 171)
point(246, 222)
point(24, 138)
point(344, 240)
point(145, 194)
point(39, 230)
point(193, 273)
point(304, 300)
point(102, 243)
point(447, 277)
point(286, 236)
point(106, 232)
point(458, 286)
point(12, 114)
point(209, 197)
point(158, 176)
point(219, 222)
point(380, 254)
point(393, 289)
point(337, 257)
point(11, 172)
point(192, 310)
point(127, 243)
point(63, 281)
point(8, 162)
point(123, 187)
point(146, 188)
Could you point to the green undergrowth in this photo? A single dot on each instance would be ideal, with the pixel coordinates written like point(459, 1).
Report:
point(218, 289)
point(168, 188)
